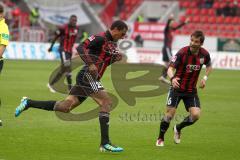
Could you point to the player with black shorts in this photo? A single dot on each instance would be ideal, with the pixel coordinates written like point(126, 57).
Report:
point(167, 44)
point(98, 52)
point(183, 71)
point(67, 35)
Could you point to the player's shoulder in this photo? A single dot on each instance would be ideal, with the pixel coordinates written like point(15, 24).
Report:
point(204, 51)
point(97, 37)
point(183, 50)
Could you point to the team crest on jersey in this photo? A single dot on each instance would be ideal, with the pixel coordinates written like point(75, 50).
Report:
point(91, 38)
point(174, 58)
point(201, 60)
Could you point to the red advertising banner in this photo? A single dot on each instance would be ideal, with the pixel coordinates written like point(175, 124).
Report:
point(149, 31)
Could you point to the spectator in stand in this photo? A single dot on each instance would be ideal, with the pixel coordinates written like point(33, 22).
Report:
point(207, 3)
point(139, 41)
point(34, 16)
point(140, 18)
point(226, 10)
point(120, 6)
point(84, 36)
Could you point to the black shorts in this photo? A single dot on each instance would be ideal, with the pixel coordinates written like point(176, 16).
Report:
point(85, 86)
point(167, 54)
point(189, 99)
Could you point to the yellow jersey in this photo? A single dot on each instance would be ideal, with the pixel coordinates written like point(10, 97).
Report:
point(4, 33)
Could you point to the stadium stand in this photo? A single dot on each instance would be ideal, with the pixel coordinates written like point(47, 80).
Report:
point(222, 19)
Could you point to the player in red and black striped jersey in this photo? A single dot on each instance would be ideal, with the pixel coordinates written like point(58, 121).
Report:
point(98, 52)
point(184, 70)
point(67, 35)
point(167, 44)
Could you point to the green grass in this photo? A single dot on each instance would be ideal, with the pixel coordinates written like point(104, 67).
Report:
point(40, 135)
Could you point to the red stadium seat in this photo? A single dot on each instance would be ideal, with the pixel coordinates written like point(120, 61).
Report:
point(211, 12)
point(188, 11)
point(204, 19)
point(228, 20)
point(186, 4)
point(212, 19)
point(196, 19)
point(214, 27)
point(216, 5)
point(204, 11)
point(220, 19)
point(196, 11)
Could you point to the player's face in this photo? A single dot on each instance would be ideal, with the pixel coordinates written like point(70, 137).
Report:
point(73, 21)
point(119, 34)
point(195, 44)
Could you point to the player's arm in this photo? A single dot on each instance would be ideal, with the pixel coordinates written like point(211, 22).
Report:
point(88, 49)
point(207, 72)
point(4, 40)
point(179, 25)
point(2, 49)
point(56, 36)
point(171, 74)
point(174, 63)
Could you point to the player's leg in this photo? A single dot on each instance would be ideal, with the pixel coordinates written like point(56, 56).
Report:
point(63, 106)
point(105, 103)
point(1, 64)
point(192, 105)
point(59, 74)
point(67, 65)
point(166, 58)
point(172, 102)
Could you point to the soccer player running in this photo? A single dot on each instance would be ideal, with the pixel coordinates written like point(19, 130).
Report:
point(67, 35)
point(4, 38)
point(167, 45)
point(97, 52)
point(183, 71)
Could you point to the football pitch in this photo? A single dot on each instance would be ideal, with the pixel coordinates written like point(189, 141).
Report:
point(41, 135)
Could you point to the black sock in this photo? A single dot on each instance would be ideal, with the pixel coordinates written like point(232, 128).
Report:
point(104, 126)
point(46, 105)
point(163, 128)
point(69, 81)
point(1, 65)
point(186, 122)
point(164, 72)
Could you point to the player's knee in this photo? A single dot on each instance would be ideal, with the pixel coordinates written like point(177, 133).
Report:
point(106, 104)
point(195, 116)
point(63, 106)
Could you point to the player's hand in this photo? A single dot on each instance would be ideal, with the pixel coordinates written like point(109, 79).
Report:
point(187, 20)
point(93, 70)
point(202, 84)
point(175, 83)
point(50, 49)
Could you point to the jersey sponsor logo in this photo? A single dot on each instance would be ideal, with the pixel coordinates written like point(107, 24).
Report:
point(174, 58)
point(74, 33)
point(5, 36)
point(91, 38)
point(191, 68)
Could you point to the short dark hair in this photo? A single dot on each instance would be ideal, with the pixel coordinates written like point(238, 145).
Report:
point(1, 9)
point(198, 34)
point(73, 15)
point(120, 25)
